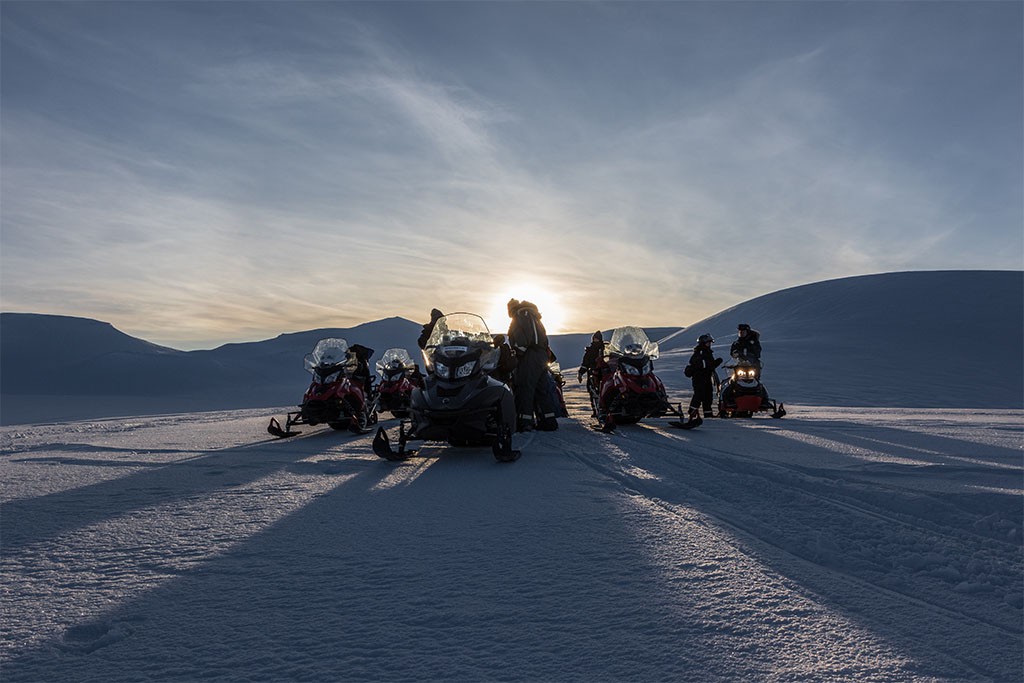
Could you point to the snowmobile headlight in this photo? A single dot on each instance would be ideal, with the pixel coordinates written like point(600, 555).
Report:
point(465, 370)
point(631, 369)
point(442, 370)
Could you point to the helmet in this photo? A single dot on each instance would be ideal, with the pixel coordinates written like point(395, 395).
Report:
point(705, 339)
point(743, 326)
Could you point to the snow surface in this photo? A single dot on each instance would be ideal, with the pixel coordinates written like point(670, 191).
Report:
point(834, 544)
point(839, 543)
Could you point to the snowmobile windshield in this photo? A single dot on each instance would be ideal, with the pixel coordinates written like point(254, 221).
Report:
point(457, 335)
point(631, 342)
point(394, 360)
point(327, 353)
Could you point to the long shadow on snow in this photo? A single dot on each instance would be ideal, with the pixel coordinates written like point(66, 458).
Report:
point(454, 569)
point(806, 513)
point(26, 522)
point(984, 467)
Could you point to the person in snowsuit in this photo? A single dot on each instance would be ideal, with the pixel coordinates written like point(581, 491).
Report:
point(416, 376)
point(529, 341)
point(747, 345)
point(362, 374)
point(593, 363)
point(428, 328)
point(702, 372)
point(504, 371)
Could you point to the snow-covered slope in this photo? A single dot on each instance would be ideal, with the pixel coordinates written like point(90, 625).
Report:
point(59, 368)
point(944, 339)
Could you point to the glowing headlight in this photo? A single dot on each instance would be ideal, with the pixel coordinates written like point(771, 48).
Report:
point(465, 370)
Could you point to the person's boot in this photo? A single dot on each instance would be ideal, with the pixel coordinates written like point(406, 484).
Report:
point(548, 424)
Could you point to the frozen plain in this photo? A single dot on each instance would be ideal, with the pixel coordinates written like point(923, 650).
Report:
point(835, 544)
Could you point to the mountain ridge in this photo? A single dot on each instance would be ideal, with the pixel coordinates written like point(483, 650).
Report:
point(884, 339)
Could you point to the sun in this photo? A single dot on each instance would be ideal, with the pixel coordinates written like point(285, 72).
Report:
point(553, 313)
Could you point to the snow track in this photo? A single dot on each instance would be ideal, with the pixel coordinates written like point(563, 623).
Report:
point(826, 546)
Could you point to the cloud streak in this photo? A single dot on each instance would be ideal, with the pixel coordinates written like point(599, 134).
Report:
point(324, 169)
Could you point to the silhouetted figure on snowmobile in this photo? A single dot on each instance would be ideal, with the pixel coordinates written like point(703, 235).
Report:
point(435, 315)
point(702, 373)
point(747, 345)
point(505, 369)
point(593, 363)
point(529, 341)
point(362, 372)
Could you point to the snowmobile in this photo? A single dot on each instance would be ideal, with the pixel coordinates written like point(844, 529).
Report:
point(459, 402)
point(399, 376)
point(743, 394)
point(629, 390)
point(336, 395)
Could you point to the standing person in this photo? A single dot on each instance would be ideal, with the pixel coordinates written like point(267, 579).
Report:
point(435, 315)
point(529, 340)
point(593, 361)
point(747, 345)
point(503, 372)
point(701, 371)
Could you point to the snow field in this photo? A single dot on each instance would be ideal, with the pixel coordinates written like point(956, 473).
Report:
point(835, 544)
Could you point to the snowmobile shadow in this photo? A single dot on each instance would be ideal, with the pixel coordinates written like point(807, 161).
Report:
point(483, 571)
point(30, 521)
point(937, 447)
point(887, 557)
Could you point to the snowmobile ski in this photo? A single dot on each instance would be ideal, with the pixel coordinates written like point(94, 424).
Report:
point(382, 447)
point(274, 428)
point(689, 424)
point(502, 448)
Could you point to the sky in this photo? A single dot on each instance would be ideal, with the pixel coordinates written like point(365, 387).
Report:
point(201, 173)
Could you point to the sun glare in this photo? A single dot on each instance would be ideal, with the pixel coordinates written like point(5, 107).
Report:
point(553, 314)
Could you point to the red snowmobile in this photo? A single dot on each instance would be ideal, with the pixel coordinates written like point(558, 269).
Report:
point(629, 389)
point(399, 377)
point(338, 395)
point(743, 394)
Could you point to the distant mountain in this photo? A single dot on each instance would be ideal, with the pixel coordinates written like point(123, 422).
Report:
point(920, 339)
point(59, 367)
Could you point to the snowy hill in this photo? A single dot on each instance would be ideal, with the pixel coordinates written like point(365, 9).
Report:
point(923, 339)
point(944, 339)
point(56, 368)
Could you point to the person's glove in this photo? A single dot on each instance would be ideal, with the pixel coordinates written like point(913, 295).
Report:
point(579, 375)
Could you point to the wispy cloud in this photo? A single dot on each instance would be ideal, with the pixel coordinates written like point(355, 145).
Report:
point(337, 174)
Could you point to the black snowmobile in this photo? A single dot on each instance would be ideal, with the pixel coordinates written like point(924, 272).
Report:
point(743, 394)
point(459, 403)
